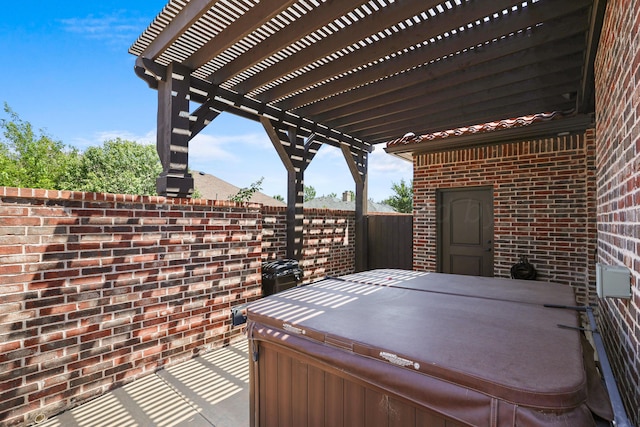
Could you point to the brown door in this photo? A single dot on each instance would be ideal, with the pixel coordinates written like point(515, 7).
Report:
point(466, 231)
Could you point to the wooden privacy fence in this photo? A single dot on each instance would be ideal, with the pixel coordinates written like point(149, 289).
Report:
point(389, 241)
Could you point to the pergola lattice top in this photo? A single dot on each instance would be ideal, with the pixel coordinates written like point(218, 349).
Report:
point(370, 71)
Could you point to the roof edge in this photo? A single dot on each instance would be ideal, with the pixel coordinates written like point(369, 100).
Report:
point(569, 125)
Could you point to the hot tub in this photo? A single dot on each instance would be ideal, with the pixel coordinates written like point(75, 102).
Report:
point(403, 348)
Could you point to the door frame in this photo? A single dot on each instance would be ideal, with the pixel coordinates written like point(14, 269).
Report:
point(439, 211)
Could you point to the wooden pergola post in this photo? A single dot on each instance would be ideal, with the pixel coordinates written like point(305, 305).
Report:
point(358, 165)
point(173, 133)
point(296, 154)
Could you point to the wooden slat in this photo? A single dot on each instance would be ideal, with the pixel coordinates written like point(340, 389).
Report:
point(177, 26)
point(378, 408)
point(401, 414)
point(241, 27)
point(285, 396)
point(268, 385)
point(365, 27)
point(355, 409)
point(316, 396)
point(406, 38)
point(492, 89)
point(322, 15)
point(334, 401)
point(442, 75)
point(299, 393)
point(469, 38)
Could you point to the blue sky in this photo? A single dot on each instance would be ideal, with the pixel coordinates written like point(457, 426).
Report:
point(66, 69)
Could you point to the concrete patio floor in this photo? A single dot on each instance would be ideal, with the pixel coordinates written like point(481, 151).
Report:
point(208, 390)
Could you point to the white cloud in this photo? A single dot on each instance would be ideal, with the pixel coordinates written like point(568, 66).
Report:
point(381, 162)
point(204, 149)
point(255, 140)
point(148, 138)
point(115, 28)
point(99, 138)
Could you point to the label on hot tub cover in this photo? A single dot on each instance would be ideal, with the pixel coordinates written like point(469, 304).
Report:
point(397, 360)
point(294, 329)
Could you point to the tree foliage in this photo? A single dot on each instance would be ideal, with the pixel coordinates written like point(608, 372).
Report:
point(118, 166)
point(29, 159)
point(32, 159)
point(309, 193)
point(402, 199)
point(245, 194)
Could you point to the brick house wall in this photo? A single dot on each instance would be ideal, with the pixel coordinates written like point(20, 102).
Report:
point(97, 290)
point(617, 76)
point(544, 204)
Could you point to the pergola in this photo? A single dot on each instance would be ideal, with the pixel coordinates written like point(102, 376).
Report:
point(354, 73)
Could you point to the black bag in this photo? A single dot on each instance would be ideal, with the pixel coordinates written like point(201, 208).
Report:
point(523, 270)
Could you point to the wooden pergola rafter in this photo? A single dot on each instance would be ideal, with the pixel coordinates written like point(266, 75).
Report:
point(355, 73)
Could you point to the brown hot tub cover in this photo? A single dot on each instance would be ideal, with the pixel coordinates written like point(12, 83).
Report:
point(457, 349)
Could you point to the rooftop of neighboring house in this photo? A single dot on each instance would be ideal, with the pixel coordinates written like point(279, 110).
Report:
point(347, 203)
point(214, 188)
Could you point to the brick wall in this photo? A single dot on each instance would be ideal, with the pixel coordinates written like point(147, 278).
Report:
point(97, 290)
point(328, 241)
point(274, 233)
point(544, 204)
point(617, 75)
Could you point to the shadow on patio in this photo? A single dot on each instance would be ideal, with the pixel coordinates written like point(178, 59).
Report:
point(209, 390)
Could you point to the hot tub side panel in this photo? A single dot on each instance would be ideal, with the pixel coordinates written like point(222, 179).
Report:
point(300, 383)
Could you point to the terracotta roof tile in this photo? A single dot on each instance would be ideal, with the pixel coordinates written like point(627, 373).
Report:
point(411, 138)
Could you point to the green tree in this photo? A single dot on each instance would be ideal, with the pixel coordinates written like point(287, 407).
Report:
point(118, 166)
point(29, 159)
point(402, 200)
point(309, 193)
point(279, 197)
point(245, 194)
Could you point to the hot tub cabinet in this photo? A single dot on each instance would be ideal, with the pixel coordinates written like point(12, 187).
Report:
point(403, 348)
